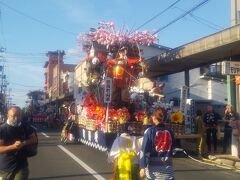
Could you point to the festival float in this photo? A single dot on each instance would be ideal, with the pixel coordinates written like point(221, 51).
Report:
point(113, 95)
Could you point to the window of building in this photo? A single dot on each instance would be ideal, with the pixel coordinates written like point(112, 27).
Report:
point(212, 71)
point(163, 78)
point(238, 17)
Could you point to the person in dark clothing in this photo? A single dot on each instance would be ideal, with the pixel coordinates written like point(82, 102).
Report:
point(211, 121)
point(156, 152)
point(14, 136)
point(229, 116)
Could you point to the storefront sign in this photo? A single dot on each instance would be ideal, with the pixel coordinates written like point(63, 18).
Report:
point(189, 117)
point(108, 90)
point(231, 68)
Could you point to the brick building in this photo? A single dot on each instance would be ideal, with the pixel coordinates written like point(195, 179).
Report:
point(57, 76)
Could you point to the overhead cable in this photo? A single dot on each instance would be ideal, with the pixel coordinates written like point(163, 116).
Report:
point(158, 14)
point(1, 28)
point(23, 85)
point(182, 16)
point(36, 20)
point(203, 21)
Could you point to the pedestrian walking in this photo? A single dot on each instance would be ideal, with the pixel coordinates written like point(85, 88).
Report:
point(156, 152)
point(229, 117)
point(15, 137)
point(200, 129)
point(211, 121)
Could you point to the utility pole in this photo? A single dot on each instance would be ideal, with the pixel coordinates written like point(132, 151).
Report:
point(233, 89)
point(58, 74)
point(3, 83)
point(2, 76)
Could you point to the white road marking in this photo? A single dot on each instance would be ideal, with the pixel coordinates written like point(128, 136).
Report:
point(45, 135)
point(34, 127)
point(81, 163)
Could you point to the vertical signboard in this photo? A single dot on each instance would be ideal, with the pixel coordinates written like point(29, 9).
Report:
point(107, 95)
point(189, 116)
point(108, 90)
point(184, 94)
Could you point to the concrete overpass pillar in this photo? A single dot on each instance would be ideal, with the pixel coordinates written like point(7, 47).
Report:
point(187, 81)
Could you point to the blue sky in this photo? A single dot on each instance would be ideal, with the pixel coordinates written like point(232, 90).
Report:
point(26, 41)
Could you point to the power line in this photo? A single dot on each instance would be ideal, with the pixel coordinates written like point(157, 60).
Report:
point(203, 21)
point(35, 63)
point(25, 54)
point(182, 16)
point(2, 31)
point(36, 54)
point(158, 14)
point(36, 20)
point(18, 84)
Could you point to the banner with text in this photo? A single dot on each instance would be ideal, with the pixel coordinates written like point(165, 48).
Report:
point(184, 94)
point(108, 90)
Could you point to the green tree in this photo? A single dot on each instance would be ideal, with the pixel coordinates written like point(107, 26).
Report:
point(35, 97)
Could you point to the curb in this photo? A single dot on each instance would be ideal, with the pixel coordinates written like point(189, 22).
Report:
point(232, 164)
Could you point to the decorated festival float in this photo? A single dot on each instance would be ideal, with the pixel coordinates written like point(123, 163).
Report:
point(113, 95)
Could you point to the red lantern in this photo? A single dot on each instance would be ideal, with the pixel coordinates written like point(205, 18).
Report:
point(118, 72)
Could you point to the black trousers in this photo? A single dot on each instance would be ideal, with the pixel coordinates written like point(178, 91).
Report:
point(211, 136)
point(227, 139)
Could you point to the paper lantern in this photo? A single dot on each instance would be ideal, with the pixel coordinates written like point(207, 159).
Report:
point(118, 72)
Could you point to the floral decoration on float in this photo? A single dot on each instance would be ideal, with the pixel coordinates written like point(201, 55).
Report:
point(107, 34)
point(177, 122)
point(177, 117)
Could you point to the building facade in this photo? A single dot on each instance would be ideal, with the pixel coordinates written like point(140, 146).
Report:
point(206, 86)
point(58, 76)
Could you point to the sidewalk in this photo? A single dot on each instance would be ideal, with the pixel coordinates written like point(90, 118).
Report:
point(226, 160)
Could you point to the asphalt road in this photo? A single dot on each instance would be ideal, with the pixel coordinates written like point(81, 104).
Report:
point(77, 161)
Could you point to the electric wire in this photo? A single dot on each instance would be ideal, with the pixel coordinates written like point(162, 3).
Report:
point(36, 20)
point(23, 85)
point(182, 16)
point(202, 20)
point(158, 14)
point(2, 29)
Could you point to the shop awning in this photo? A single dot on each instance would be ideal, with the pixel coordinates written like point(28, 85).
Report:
point(221, 46)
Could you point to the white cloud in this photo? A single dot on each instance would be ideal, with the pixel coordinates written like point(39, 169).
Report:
point(73, 52)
